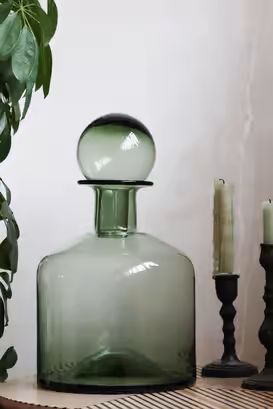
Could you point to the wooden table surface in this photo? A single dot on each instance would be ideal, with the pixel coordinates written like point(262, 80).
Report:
point(207, 393)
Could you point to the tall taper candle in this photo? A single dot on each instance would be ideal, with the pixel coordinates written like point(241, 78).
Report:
point(268, 222)
point(223, 228)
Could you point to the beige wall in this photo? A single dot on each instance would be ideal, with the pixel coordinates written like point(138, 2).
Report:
point(200, 75)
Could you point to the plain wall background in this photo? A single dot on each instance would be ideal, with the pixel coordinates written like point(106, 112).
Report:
point(199, 74)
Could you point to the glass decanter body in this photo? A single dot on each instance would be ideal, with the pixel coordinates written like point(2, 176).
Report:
point(116, 312)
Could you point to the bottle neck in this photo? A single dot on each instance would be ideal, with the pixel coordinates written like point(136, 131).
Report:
point(115, 214)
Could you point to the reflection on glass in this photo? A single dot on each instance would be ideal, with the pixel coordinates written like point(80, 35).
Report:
point(102, 162)
point(130, 142)
point(147, 265)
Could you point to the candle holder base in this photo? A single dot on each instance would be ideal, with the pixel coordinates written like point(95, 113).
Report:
point(228, 369)
point(229, 366)
point(263, 381)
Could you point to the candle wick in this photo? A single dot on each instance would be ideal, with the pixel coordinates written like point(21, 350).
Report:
point(222, 180)
point(270, 201)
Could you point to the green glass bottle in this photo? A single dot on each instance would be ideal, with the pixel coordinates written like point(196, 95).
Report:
point(116, 312)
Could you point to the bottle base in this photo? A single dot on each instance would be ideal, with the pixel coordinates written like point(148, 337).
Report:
point(115, 372)
point(113, 389)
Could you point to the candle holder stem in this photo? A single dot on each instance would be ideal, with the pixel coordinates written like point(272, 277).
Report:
point(229, 366)
point(264, 380)
point(228, 313)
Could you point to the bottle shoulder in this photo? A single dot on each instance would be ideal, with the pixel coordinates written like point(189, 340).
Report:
point(137, 249)
point(135, 242)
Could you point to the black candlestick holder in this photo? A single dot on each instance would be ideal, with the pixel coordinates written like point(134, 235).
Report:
point(264, 380)
point(229, 366)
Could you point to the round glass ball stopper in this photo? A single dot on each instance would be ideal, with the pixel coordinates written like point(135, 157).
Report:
point(116, 147)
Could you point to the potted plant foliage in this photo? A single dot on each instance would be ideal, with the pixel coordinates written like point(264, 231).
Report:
point(25, 66)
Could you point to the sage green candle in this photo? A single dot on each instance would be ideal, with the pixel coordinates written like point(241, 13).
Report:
point(223, 239)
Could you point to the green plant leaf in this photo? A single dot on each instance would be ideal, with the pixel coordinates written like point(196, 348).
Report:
point(48, 21)
point(47, 70)
point(2, 200)
point(12, 238)
point(5, 210)
point(5, 278)
point(5, 9)
point(9, 359)
point(9, 246)
point(15, 225)
point(5, 70)
point(5, 301)
point(30, 84)
point(52, 12)
point(6, 294)
point(2, 107)
point(24, 56)
point(28, 98)
point(6, 213)
point(44, 69)
point(33, 76)
point(36, 27)
point(5, 144)
point(16, 228)
point(14, 4)
point(2, 317)
point(3, 375)
point(7, 191)
point(8, 116)
point(15, 117)
point(4, 255)
point(9, 34)
point(8, 261)
point(7, 108)
point(40, 76)
point(3, 122)
point(45, 24)
point(16, 89)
